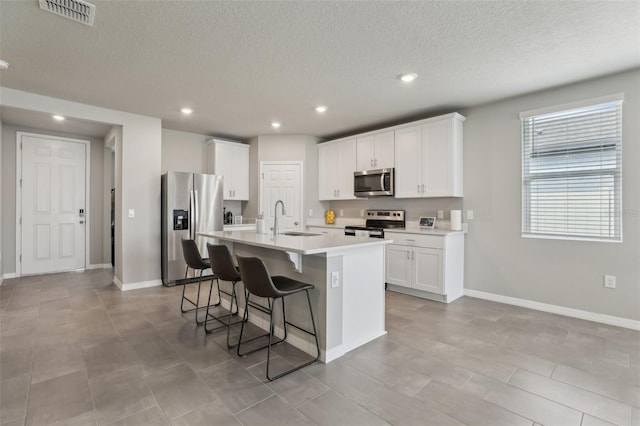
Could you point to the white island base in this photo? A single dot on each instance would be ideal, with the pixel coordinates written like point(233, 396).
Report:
point(348, 275)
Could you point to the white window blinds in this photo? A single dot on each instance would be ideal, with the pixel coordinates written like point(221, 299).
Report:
point(571, 172)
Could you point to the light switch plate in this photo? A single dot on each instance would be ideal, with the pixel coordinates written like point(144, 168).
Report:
point(440, 214)
point(469, 214)
point(610, 281)
point(335, 279)
point(132, 213)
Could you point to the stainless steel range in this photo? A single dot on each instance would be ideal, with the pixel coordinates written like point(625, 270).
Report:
point(377, 221)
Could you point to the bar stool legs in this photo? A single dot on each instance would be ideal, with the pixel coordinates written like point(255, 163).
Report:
point(196, 304)
point(228, 323)
point(269, 310)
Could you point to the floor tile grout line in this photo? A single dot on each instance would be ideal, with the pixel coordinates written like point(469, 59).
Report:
point(563, 404)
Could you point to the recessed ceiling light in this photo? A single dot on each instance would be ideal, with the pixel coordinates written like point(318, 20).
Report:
point(57, 117)
point(275, 124)
point(186, 111)
point(321, 109)
point(408, 77)
point(4, 65)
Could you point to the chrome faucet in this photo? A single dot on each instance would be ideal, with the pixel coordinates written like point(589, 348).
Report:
point(275, 216)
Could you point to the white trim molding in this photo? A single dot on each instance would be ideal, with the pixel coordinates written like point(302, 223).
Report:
point(138, 285)
point(555, 309)
point(100, 266)
point(9, 275)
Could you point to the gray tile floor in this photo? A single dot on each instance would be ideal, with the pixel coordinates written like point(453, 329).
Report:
point(75, 350)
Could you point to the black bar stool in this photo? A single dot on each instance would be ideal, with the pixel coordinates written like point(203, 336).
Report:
point(257, 282)
point(223, 269)
point(194, 261)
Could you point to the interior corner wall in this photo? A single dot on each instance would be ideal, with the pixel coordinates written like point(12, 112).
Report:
point(9, 194)
point(138, 165)
point(184, 152)
point(566, 273)
point(284, 148)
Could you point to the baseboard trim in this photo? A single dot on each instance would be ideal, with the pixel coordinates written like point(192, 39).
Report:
point(555, 309)
point(138, 285)
point(9, 276)
point(100, 266)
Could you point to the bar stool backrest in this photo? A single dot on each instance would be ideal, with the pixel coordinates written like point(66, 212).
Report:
point(192, 255)
point(222, 262)
point(256, 278)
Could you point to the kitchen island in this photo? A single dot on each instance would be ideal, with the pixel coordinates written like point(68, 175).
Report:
point(348, 274)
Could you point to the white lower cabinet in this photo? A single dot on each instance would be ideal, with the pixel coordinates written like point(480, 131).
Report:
point(426, 265)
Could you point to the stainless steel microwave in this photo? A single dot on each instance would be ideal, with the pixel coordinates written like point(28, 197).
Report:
point(373, 183)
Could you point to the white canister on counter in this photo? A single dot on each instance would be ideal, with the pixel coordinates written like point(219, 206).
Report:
point(260, 225)
point(456, 220)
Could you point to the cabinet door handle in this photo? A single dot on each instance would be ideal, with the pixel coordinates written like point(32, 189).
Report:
point(338, 192)
point(371, 162)
point(423, 188)
point(409, 239)
point(408, 255)
point(413, 255)
point(375, 162)
point(418, 188)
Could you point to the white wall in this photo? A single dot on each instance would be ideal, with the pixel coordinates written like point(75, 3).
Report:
point(566, 273)
point(138, 166)
point(184, 152)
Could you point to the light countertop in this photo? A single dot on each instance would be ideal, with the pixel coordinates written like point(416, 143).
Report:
point(411, 228)
point(323, 243)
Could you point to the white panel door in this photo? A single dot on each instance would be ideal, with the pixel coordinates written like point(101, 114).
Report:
point(282, 182)
point(52, 204)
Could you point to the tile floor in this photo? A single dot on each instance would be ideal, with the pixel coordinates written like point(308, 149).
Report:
point(75, 350)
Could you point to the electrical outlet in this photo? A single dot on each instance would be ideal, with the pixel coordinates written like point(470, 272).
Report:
point(610, 281)
point(335, 279)
point(440, 214)
point(310, 212)
point(132, 213)
point(361, 212)
point(469, 215)
point(341, 212)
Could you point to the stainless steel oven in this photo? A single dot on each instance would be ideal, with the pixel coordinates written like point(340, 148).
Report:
point(373, 183)
point(377, 222)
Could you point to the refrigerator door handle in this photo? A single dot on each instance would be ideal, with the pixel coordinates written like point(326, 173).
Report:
point(195, 213)
point(191, 213)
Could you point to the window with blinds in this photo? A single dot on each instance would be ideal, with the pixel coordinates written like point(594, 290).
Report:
point(572, 172)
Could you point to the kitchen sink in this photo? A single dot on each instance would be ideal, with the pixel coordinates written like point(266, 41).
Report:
point(299, 234)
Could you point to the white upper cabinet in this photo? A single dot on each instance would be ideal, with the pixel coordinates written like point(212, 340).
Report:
point(375, 151)
point(336, 164)
point(231, 160)
point(429, 158)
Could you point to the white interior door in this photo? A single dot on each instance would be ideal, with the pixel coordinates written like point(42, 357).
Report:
point(282, 181)
point(53, 210)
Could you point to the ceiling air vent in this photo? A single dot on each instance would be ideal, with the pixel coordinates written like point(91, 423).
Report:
point(76, 10)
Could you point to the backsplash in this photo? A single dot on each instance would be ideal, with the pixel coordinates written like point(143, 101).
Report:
point(414, 207)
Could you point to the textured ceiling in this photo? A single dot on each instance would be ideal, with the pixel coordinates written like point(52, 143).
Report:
point(42, 121)
point(241, 65)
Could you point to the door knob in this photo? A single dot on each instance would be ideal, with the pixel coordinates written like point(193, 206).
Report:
point(81, 221)
point(295, 223)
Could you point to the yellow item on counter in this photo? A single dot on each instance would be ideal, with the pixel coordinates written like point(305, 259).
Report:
point(330, 217)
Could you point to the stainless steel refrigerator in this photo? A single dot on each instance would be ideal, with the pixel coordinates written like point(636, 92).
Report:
point(191, 203)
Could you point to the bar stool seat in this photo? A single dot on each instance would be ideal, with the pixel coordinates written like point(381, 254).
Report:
point(223, 269)
point(194, 261)
point(259, 283)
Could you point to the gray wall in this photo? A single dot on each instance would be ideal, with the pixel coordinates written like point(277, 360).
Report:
point(184, 152)
point(9, 195)
point(285, 148)
point(566, 273)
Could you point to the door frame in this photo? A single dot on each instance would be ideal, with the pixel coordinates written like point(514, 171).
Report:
point(87, 195)
point(284, 163)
